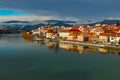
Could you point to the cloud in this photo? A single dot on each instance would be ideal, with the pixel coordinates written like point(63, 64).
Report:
point(85, 9)
point(113, 18)
point(25, 18)
point(36, 18)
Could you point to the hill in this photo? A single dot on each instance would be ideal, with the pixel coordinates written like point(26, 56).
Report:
point(109, 22)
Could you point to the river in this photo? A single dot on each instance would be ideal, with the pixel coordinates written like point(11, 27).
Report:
point(21, 59)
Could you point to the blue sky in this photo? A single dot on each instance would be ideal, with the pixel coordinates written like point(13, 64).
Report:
point(5, 12)
point(85, 10)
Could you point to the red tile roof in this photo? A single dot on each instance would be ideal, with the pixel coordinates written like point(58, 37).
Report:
point(91, 33)
point(49, 31)
point(65, 30)
point(75, 28)
point(102, 34)
point(110, 34)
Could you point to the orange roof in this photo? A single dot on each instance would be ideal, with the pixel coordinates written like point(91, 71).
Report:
point(110, 34)
point(102, 34)
point(91, 33)
point(49, 31)
point(47, 27)
point(65, 30)
point(118, 27)
point(75, 28)
point(118, 34)
point(85, 27)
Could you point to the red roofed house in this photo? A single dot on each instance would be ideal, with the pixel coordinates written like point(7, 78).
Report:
point(76, 33)
point(103, 37)
point(73, 34)
point(49, 34)
point(114, 38)
point(64, 34)
point(93, 37)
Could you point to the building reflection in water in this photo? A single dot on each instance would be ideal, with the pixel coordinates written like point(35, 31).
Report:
point(56, 46)
point(53, 45)
point(102, 51)
point(71, 47)
point(50, 45)
point(79, 48)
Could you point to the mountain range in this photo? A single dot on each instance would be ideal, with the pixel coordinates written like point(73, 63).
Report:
point(109, 22)
point(17, 22)
point(26, 25)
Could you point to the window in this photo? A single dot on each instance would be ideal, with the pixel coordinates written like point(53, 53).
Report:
point(112, 38)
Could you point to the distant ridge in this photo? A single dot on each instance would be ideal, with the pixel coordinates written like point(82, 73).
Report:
point(33, 25)
point(59, 21)
point(109, 22)
point(26, 25)
point(17, 22)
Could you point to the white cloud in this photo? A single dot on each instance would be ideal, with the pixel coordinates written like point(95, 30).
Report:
point(25, 18)
point(113, 18)
point(36, 18)
point(72, 19)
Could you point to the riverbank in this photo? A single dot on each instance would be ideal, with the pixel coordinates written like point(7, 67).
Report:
point(83, 43)
point(95, 45)
point(29, 36)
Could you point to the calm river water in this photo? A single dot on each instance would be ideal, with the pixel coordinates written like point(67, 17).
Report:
point(22, 59)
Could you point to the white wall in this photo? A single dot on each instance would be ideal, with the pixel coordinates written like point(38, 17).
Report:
point(63, 34)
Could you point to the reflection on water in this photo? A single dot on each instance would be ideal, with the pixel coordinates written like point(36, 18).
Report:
point(76, 48)
point(22, 59)
point(80, 49)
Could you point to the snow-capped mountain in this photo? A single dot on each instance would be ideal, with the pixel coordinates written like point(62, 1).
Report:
point(33, 25)
point(26, 25)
